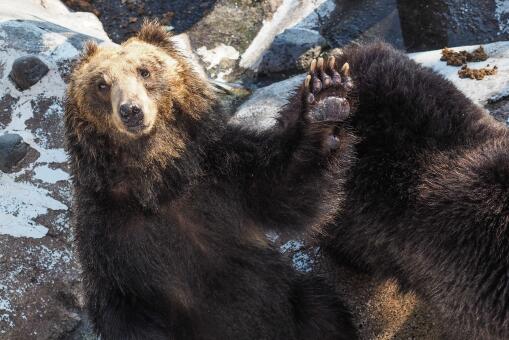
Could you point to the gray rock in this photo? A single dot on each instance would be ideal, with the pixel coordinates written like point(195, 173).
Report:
point(361, 21)
point(289, 48)
point(500, 110)
point(12, 150)
point(26, 71)
point(261, 109)
point(418, 25)
point(438, 23)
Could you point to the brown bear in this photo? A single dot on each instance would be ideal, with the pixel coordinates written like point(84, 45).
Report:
point(170, 202)
point(427, 200)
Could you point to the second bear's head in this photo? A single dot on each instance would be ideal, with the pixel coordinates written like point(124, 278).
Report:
point(130, 89)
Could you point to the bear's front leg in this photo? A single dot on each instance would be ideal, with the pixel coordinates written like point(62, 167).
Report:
point(119, 317)
point(297, 177)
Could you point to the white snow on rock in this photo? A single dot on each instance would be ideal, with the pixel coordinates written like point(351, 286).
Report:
point(478, 91)
point(20, 204)
point(22, 201)
point(48, 175)
point(304, 14)
point(214, 56)
point(55, 12)
point(301, 261)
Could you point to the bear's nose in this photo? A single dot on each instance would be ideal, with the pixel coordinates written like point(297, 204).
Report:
point(130, 113)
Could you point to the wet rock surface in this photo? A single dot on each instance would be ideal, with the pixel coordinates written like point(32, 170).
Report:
point(363, 21)
point(291, 49)
point(26, 71)
point(499, 108)
point(435, 24)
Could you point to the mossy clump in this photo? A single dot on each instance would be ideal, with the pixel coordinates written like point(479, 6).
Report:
point(478, 74)
point(462, 57)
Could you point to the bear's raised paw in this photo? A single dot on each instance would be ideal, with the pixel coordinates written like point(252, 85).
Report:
point(326, 90)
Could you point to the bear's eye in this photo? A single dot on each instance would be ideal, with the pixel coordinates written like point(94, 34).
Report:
point(102, 87)
point(144, 73)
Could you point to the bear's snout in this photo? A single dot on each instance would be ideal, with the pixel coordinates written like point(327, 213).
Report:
point(131, 115)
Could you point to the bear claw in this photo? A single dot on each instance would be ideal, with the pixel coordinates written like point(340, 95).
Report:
point(336, 78)
point(324, 74)
point(326, 88)
point(310, 97)
point(326, 79)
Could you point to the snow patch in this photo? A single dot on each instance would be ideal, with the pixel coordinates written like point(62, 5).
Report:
point(5, 311)
point(5, 305)
point(48, 175)
point(58, 47)
point(21, 203)
point(214, 56)
point(301, 260)
point(479, 91)
point(51, 258)
point(502, 15)
point(289, 14)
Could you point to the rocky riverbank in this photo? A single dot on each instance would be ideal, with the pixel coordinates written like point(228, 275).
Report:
point(256, 52)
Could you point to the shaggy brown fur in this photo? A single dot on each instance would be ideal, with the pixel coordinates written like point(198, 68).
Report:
point(170, 210)
point(427, 201)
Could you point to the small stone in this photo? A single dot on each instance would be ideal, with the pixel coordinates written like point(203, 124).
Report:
point(12, 150)
point(26, 71)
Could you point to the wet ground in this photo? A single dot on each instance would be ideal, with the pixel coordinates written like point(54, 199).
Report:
point(121, 18)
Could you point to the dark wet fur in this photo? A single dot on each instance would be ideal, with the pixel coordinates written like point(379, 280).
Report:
point(179, 251)
point(427, 201)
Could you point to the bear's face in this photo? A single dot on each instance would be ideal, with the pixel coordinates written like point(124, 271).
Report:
point(125, 88)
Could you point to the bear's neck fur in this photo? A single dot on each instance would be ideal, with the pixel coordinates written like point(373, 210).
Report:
point(160, 165)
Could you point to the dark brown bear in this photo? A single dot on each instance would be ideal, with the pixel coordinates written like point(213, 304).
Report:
point(171, 203)
point(427, 201)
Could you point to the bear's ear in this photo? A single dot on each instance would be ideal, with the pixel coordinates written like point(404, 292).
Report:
point(154, 33)
point(90, 49)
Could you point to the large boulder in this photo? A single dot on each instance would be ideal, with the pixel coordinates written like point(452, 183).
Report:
point(39, 280)
point(434, 24)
